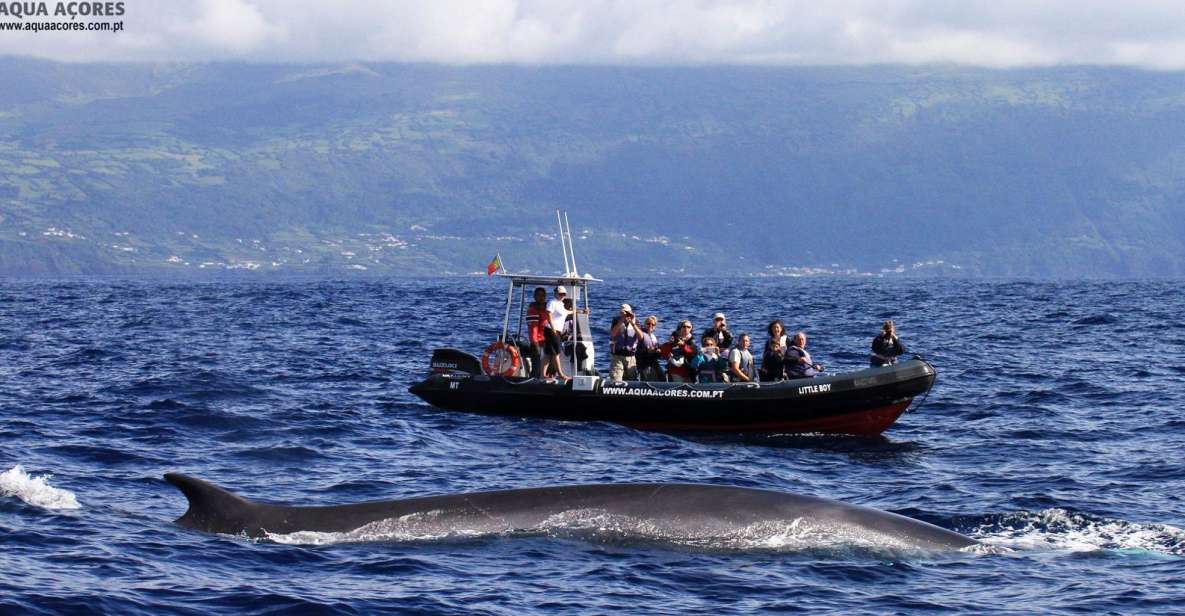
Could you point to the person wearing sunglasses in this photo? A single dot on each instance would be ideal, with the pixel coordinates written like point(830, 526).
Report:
point(719, 331)
point(649, 352)
point(624, 337)
point(679, 352)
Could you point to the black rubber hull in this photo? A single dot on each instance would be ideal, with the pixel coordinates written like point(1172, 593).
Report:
point(864, 402)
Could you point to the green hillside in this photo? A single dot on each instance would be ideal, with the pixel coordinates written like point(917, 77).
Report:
point(410, 169)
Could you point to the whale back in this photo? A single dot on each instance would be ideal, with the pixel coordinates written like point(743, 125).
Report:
point(678, 510)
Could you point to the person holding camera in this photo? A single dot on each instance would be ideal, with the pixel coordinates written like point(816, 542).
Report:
point(649, 352)
point(680, 352)
point(719, 331)
point(886, 347)
point(623, 345)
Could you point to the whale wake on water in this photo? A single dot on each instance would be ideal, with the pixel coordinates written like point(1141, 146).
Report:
point(35, 490)
point(1061, 530)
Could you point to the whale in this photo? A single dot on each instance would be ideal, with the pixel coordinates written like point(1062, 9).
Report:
point(675, 511)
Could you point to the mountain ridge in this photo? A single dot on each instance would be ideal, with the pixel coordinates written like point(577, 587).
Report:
point(421, 169)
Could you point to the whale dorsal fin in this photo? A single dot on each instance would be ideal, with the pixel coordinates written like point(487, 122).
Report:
point(211, 508)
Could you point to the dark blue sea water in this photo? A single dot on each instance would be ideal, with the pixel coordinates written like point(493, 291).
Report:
point(1054, 434)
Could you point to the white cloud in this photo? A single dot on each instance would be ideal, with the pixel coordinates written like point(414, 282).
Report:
point(999, 33)
point(233, 27)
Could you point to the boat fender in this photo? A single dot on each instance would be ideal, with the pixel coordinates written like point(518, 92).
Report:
point(501, 359)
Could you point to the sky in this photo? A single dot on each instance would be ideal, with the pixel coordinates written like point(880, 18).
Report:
point(994, 34)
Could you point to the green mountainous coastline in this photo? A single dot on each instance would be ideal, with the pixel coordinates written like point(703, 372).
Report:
point(199, 169)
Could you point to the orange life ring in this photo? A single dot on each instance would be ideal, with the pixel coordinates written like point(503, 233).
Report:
point(503, 356)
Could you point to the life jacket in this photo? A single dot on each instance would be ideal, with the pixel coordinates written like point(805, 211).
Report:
point(538, 320)
point(796, 369)
point(624, 343)
point(745, 364)
point(679, 356)
point(709, 367)
point(649, 350)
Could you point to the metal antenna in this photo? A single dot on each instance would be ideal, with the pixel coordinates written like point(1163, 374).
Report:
point(563, 242)
point(571, 245)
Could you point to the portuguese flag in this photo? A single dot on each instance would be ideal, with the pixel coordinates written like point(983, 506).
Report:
point(494, 265)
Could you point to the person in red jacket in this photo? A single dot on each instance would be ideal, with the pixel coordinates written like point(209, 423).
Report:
point(678, 351)
point(538, 320)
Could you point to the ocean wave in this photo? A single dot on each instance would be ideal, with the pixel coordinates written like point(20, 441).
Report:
point(191, 385)
point(35, 490)
point(1062, 530)
point(1096, 319)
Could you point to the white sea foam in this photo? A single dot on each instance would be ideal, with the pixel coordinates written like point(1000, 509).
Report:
point(1061, 530)
point(35, 490)
point(420, 526)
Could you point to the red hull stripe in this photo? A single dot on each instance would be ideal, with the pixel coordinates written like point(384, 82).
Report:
point(864, 423)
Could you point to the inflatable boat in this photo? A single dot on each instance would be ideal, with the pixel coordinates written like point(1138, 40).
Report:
point(865, 402)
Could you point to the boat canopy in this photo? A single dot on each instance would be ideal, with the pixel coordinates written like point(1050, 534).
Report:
point(578, 292)
point(544, 280)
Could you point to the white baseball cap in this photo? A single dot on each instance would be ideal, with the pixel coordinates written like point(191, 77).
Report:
point(719, 315)
point(561, 289)
point(627, 308)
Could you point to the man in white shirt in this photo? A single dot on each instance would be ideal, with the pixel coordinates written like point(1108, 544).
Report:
point(556, 308)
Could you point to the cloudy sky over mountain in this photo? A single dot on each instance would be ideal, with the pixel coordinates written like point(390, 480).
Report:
point(995, 33)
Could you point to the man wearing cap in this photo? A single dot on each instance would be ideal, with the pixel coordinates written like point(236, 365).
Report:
point(719, 331)
point(623, 344)
point(556, 308)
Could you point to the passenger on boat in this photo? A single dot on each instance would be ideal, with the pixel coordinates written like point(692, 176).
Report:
point(556, 308)
point(537, 321)
point(740, 361)
point(569, 319)
point(552, 355)
point(679, 352)
point(556, 313)
point(719, 331)
point(886, 347)
point(773, 357)
point(568, 335)
point(709, 370)
point(623, 344)
point(649, 352)
point(798, 362)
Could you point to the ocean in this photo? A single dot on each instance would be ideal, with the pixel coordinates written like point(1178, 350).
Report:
point(1053, 435)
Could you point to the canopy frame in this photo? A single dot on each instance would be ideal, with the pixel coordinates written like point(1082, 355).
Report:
point(571, 279)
